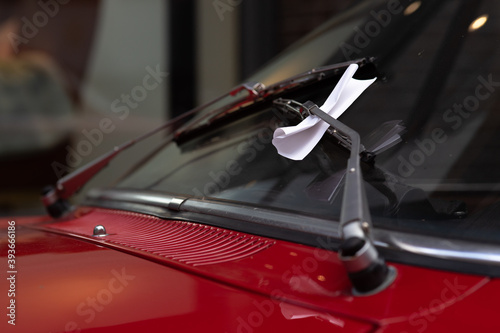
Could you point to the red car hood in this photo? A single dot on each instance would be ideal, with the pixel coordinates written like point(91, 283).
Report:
point(65, 280)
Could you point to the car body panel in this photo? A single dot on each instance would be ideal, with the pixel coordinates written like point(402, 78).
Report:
point(475, 312)
point(118, 292)
point(287, 285)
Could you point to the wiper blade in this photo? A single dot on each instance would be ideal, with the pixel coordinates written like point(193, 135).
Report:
point(253, 89)
point(316, 74)
point(258, 91)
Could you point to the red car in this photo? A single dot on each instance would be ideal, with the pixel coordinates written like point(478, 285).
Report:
point(388, 223)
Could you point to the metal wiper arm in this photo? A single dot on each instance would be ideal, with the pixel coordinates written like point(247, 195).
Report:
point(356, 207)
point(367, 271)
point(55, 198)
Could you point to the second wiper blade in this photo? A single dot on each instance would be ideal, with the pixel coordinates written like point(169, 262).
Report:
point(257, 91)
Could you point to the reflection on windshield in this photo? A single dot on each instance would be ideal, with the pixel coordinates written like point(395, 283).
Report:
point(441, 71)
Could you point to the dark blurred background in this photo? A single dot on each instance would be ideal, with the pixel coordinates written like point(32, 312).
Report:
point(79, 77)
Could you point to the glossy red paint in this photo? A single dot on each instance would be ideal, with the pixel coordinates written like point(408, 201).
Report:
point(96, 289)
point(68, 280)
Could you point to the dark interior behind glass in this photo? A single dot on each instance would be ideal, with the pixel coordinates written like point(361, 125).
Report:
point(439, 74)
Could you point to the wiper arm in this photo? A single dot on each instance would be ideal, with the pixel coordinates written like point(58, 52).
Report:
point(367, 271)
point(55, 198)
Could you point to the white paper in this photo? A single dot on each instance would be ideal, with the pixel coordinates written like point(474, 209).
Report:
point(295, 142)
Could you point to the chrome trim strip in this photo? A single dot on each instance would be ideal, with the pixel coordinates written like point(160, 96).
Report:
point(263, 216)
point(214, 208)
point(427, 246)
point(146, 197)
point(459, 250)
point(175, 204)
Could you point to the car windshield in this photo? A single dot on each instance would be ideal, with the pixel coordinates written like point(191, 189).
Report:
point(438, 65)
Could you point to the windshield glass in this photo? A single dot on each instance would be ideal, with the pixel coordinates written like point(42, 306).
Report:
point(439, 72)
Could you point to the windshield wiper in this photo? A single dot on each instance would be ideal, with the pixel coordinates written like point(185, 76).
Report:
point(55, 199)
point(258, 91)
point(367, 271)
